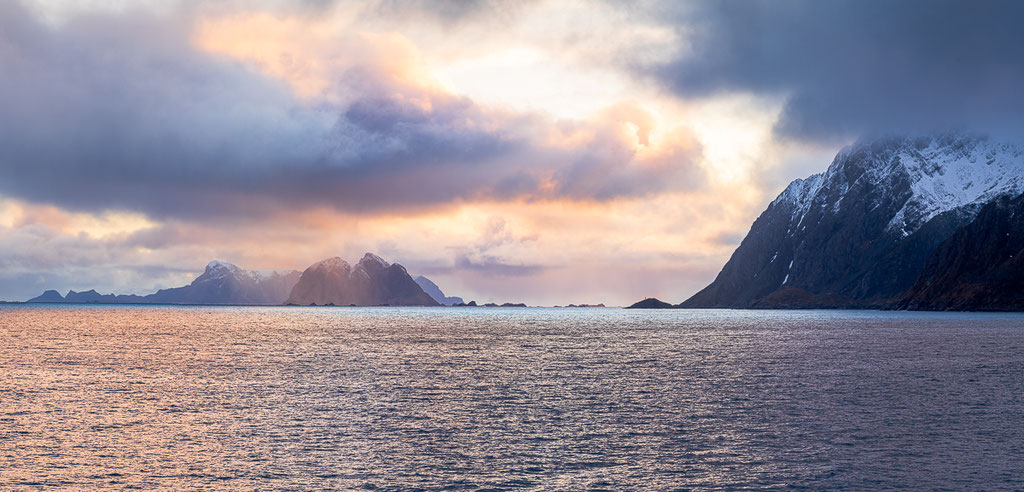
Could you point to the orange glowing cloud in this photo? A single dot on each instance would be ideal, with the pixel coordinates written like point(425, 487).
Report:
point(313, 56)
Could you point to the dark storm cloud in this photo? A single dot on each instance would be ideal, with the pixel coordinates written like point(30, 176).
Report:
point(850, 67)
point(495, 266)
point(122, 112)
point(449, 12)
point(490, 266)
point(37, 257)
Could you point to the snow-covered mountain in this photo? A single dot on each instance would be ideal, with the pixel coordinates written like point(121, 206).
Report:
point(858, 234)
point(220, 283)
point(944, 173)
point(225, 283)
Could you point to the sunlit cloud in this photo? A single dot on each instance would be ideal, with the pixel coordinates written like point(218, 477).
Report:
point(508, 150)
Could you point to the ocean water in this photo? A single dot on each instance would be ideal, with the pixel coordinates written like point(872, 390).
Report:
point(548, 399)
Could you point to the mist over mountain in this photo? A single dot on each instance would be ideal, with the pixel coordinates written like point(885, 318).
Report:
point(371, 282)
point(220, 283)
point(861, 233)
point(224, 283)
point(435, 292)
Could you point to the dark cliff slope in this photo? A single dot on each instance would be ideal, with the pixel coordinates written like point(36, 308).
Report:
point(859, 234)
point(978, 268)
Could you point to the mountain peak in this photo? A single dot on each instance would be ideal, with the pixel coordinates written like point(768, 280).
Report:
point(217, 265)
point(48, 296)
point(219, 270)
point(370, 258)
point(373, 282)
point(859, 233)
point(332, 262)
point(928, 174)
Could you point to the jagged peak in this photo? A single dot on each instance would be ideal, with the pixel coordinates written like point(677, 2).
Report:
point(332, 262)
point(265, 274)
point(221, 265)
point(945, 171)
point(799, 190)
point(373, 259)
point(217, 270)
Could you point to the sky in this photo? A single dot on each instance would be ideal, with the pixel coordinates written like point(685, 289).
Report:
point(547, 152)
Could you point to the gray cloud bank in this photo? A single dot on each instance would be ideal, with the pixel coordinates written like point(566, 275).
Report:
point(852, 67)
point(120, 111)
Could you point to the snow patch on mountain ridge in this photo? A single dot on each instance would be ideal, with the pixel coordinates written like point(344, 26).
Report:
point(945, 173)
point(218, 270)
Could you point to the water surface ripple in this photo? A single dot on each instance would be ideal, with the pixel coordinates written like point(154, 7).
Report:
point(388, 398)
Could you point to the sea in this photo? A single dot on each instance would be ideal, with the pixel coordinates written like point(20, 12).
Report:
point(343, 398)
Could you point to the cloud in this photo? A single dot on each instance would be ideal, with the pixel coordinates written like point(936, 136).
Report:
point(484, 257)
point(122, 111)
point(449, 12)
point(490, 265)
point(37, 257)
point(847, 68)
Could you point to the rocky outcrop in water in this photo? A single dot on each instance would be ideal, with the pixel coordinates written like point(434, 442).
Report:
point(651, 303)
point(371, 282)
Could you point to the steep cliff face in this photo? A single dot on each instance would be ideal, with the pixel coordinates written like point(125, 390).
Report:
point(859, 234)
point(978, 268)
point(372, 282)
point(435, 292)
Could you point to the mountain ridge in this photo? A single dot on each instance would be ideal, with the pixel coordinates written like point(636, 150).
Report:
point(220, 283)
point(371, 282)
point(858, 235)
point(435, 292)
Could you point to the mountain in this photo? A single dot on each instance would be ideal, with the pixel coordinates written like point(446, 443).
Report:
point(48, 296)
point(89, 296)
point(220, 283)
point(650, 303)
point(224, 283)
point(978, 268)
point(435, 293)
point(860, 233)
point(372, 282)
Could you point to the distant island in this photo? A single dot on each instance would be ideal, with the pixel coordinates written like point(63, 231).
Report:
point(331, 282)
point(371, 282)
point(921, 223)
point(651, 303)
point(220, 283)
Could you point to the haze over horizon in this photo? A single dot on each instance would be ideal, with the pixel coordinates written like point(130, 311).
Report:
point(542, 152)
